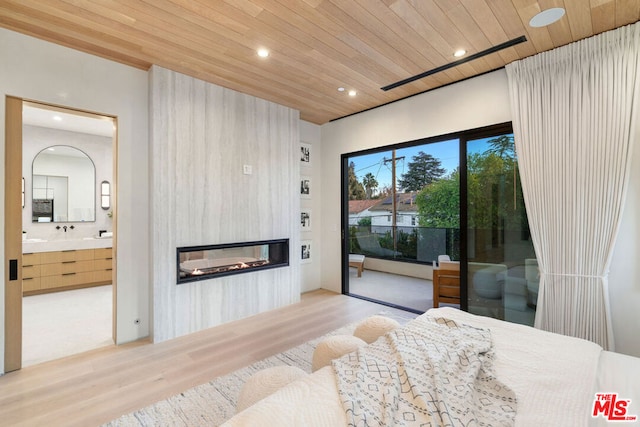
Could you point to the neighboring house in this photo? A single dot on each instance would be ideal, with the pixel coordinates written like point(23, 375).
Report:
point(406, 213)
point(359, 209)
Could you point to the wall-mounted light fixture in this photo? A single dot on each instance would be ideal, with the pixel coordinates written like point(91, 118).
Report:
point(105, 195)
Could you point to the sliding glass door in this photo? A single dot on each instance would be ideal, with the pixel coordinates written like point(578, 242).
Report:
point(456, 198)
point(403, 210)
point(501, 269)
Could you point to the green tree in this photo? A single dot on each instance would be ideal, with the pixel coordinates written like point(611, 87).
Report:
point(365, 222)
point(370, 184)
point(356, 189)
point(495, 198)
point(422, 171)
point(502, 146)
point(439, 203)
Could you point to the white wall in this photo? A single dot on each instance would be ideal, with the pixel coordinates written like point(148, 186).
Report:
point(202, 136)
point(470, 104)
point(41, 71)
point(624, 277)
point(310, 272)
point(473, 103)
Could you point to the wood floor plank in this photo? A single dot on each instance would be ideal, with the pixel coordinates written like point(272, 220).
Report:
point(95, 387)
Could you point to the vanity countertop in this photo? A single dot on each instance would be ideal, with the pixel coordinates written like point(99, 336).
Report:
point(65, 245)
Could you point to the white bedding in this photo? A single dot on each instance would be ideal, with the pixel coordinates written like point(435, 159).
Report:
point(553, 376)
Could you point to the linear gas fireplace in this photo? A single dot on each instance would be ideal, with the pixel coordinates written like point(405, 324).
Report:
point(208, 262)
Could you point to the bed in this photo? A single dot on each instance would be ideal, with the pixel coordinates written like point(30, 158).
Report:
point(555, 379)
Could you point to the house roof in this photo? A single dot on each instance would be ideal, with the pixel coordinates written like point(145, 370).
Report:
point(316, 46)
point(405, 202)
point(357, 206)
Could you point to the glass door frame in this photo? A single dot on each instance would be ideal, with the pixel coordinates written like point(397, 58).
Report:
point(472, 135)
point(463, 137)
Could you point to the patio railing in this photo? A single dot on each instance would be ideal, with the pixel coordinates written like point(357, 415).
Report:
point(409, 244)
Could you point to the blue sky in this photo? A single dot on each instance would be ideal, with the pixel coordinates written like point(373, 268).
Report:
point(445, 151)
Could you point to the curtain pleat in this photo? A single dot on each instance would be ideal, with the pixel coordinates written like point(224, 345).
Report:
point(574, 111)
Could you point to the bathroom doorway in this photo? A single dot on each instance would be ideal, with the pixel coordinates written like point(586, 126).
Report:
point(67, 222)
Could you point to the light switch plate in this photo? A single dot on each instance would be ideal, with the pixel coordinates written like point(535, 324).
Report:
point(247, 169)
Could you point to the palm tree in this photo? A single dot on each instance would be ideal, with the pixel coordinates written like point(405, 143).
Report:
point(370, 184)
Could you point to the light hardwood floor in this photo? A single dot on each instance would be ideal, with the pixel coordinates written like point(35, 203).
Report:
point(95, 387)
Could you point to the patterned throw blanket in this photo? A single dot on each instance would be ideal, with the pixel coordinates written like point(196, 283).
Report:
point(432, 372)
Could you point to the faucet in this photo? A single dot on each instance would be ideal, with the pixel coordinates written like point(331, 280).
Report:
point(64, 227)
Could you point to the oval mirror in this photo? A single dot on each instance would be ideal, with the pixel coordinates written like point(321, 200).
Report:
point(63, 186)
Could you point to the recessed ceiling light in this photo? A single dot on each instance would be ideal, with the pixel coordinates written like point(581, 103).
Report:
point(352, 93)
point(460, 52)
point(263, 53)
point(340, 89)
point(546, 17)
point(57, 118)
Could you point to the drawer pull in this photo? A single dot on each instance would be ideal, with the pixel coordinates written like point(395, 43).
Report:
point(68, 262)
point(27, 278)
point(27, 265)
point(68, 274)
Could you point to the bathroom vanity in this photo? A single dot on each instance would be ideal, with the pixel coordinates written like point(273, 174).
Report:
point(64, 265)
point(66, 204)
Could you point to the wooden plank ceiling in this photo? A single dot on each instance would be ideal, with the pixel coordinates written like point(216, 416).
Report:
point(316, 46)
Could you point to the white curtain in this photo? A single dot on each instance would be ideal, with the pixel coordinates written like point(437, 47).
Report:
point(574, 111)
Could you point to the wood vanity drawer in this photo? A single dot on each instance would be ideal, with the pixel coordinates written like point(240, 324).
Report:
point(103, 264)
point(30, 271)
point(30, 284)
point(31, 259)
point(73, 279)
point(50, 257)
point(51, 269)
point(103, 253)
point(52, 281)
point(76, 255)
point(77, 266)
point(103, 275)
